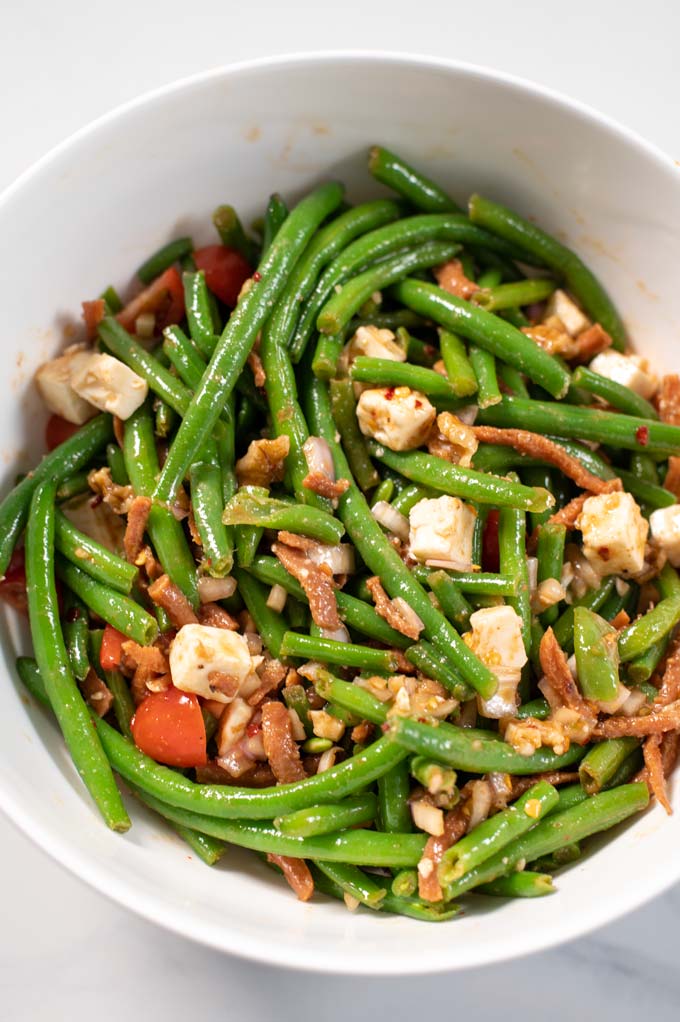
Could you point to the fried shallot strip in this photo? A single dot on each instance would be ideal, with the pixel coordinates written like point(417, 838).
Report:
point(317, 582)
point(656, 781)
point(170, 597)
point(263, 463)
point(668, 400)
point(555, 777)
point(96, 693)
point(393, 611)
point(455, 825)
point(669, 690)
point(279, 745)
point(324, 485)
point(590, 342)
point(557, 673)
point(138, 515)
point(666, 718)
point(296, 872)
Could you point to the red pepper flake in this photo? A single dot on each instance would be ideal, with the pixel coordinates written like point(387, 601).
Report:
point(389, 393)
point(642, 435)
point(253, 728)
point(417, 403)
point(257, 276)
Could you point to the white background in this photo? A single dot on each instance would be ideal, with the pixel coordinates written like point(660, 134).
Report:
point(65, 952)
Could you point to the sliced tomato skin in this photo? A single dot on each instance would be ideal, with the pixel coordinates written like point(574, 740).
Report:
point(226, 271)
point(168, 726)
point(58, 430)
point(111, 650)
point(490, 552)
point(164, 297)
point(93, 314)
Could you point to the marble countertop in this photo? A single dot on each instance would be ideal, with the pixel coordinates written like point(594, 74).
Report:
point(65, 950)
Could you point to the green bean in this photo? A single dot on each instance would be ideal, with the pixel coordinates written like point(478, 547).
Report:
point(395, 173)
point(595, 814)
point(498, 831)
point(433, 663)
point(270, 625)
point(564, 420)
point(383, 492)
point(344, 414)
point(404, 906)
point(75, 628)
point(434, 776)
point(393, 320)
point(383, 560)
point(474, 751)
point(486, 331)
point(512, 379)
point(639, 636)
point(394, 787)
point(538, 708)
point(449, 597)
point(407, 498)
point(327, 819)
point(517, 293)
point(512, 534)
point(53, 663)
point(484, 367)
point(73, 486)
point(114, 607)
point(518, 885)
point(334, 651)
point(341, 306)
point(230, 229)
point(159, 379)
point(601, 763)
point(643, 667)
point(651, 494)
point(274, 219)
point(459, 371)
point(207, 506)
point(167, 535)
point(550, 554)
point(484, 583)
point(112, 300)
point(405, 883)
point(30, 675)
point(384, 372)
point(615, 394)
point(93, 558)
point(116, 462)
point(349, 696)
point(550, 252)
point(249, 508)
point(597, 659)
point(59, 464)
point(417, 352)
point(239, 335)
point(497, 459)
point(230, 802)
point(162, 259)
point(489, 278)
point(198, 312)
point(354, 883)
point(465, 483)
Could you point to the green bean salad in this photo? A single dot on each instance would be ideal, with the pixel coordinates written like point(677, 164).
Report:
point(356, 545)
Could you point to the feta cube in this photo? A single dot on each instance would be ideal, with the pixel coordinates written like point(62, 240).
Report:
point(496, 638)
point(211, 662)
point(631, 371)
point(398, 417)
point(53, 380)
point(375, 343)
point(441, 529)
point(664, 524)
point(109, 385)
point(614, 534)
point(567, 311)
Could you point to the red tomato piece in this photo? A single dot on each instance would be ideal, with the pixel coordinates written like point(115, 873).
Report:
point(164, 297)
point(226, 271)
point(168, 726)
point(13, 585)
point(111, 650)
point(58, 430)
point(93, 314)
point(490, 554)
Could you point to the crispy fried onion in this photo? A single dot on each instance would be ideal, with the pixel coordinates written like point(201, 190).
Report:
point(669, 690)
point(452, 440)
point(451, 277)
point(590, 342)
point(554, 777)
point(279, 745)
point(556, 670)
point(137, 518)
point(255, 363)
point(148, 666)
point(263, 462)
point(118, 498)
point(654, 772)
point(170, 597)
point(214, 616)
point(272, 674)
point(668, 400)
point(315, 579)
point(96, 693)
point(538, 446)
point(325, 486)
point(296, 872)
point(455, 826)
point(396, 612)
point(665, 718)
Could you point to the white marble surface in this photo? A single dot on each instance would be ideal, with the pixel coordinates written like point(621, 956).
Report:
point(65, 951)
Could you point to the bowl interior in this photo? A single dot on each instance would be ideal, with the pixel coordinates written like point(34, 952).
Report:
point(97, 206)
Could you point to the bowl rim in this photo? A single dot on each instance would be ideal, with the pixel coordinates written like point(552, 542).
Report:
point(263, 949)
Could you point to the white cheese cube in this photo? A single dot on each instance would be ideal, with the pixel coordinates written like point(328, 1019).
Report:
point(631, 371)
point(109, 385)
point(375, 343)
point(398, 417)
point(211, 662)
point(53, 380)
point(441, 529)
point(496, 638)
point(566, 310)
point(664, 524)
point(614, 534)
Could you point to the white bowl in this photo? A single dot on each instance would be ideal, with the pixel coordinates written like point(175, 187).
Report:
point(89, 213)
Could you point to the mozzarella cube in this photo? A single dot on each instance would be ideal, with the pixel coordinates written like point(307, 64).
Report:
point(566, 310)
point(109, 385)
point(441, 529)
point(664, 524)
point(631, 371)
point(53, 380)
point(398, 417)
point(375, 343)
point(614, 534)
point(211, 662)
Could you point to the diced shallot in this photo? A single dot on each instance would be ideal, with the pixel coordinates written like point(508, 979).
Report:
point(277, 598)
point(407, 614)
point(391, 519)
point(427, 817)
point(634, 703)
point(145, 324)
point(338, 557)
point(212, 589)
point(614, 705)
point(468, 414)
point(339, 634)
point(319, 457)
point(480, 803)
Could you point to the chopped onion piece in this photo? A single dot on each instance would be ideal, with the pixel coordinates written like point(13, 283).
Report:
point(277, 598)
point(614, 705)
point(532, 570)
point(299, 733)
point(621, 586)
point(449, 565)
point(501, 788)
point(145, 324)
point(428, 817)
point(550, 695)
point(391, 519)
point(319, 458)
point(468, 414)
point(255, 643)
point(480, 803)
point(634, 703)
point(339, 557)
point(408, 613)
point(339, 634)
point(327, 760)
point(212, 589)
point(548, 592)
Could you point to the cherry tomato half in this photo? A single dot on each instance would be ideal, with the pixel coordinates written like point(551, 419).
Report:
point(111, 649)
point(13, 585)
point(58, 430)
point(164, 297)
point(225, 271)
point(490, 554)
point(168, 726)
